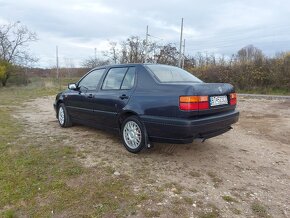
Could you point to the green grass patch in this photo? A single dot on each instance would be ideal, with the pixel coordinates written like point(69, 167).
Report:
point(39, 87)
point(194, 173)
point(151, 213)
point(228, 198)
point(212, 212)
point(174, 187)
point(29, 169)
point(188, 200)
point(178, 207)
point(215, 179)
point(42, 178)
point(259, 209)
point(9, 214)
point(236, 211)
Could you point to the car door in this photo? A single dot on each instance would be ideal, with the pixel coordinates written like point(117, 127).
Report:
point(79, 102)
point(113, 95)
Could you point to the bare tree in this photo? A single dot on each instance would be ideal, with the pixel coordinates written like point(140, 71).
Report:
point(168, 54)
point(14, 41)
point(91, 62)
point(113, 52)
point(131, 50)
point(250, 53)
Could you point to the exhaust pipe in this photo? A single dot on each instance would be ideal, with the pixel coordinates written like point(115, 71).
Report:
point(201, 140)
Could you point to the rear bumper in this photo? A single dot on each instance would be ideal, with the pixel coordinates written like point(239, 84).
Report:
point(174, 130)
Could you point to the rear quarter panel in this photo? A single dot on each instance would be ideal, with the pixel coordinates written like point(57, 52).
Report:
point(152, 98)
point(155, 99)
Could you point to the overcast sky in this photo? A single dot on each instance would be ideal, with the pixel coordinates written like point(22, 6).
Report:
point(220, 27)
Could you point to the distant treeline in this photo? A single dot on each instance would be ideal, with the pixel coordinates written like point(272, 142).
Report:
point(248, 70)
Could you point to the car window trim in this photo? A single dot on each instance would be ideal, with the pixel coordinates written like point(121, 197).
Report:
point(108, 70)
point(124, 78)
point(153, 75)
point(126, 75)
point(97, 87)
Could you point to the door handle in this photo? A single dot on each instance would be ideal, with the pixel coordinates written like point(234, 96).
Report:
point(90, 96)
point(124, 96)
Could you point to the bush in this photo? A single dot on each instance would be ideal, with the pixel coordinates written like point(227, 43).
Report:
point(256, 72)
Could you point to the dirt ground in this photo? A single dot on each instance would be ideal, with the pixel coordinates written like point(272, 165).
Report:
point(243, 173)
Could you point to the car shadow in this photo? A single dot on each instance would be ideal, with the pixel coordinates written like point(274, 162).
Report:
point(179, 148)
point(158, 149)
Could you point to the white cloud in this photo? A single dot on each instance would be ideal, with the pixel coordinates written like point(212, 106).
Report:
point(78, 26)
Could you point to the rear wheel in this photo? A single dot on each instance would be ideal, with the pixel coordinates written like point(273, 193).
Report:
point(63, 117)
point(133, 134)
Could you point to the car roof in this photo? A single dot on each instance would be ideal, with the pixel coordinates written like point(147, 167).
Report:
point(119, 65)
point(125, 65)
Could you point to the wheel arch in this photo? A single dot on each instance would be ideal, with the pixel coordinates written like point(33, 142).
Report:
point(124, 115)
point(57, 105)
point(59, 102)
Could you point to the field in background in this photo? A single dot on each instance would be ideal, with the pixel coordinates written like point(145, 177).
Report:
point(269, 76)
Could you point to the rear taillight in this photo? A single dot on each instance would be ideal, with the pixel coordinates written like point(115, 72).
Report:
point(233, 98)
point(189, 103)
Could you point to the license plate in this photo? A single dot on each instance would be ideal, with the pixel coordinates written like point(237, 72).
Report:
point(218, 100)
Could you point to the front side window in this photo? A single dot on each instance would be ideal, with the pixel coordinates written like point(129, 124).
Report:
point(167, 74)
point(114, 78)
point(91, 81)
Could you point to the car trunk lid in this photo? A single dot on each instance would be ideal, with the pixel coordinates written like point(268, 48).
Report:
point(212, 98)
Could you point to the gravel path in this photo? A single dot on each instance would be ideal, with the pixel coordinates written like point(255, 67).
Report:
point(243, 173)
point(269, 97)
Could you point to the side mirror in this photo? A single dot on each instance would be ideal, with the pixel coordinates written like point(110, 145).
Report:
point(72, 86)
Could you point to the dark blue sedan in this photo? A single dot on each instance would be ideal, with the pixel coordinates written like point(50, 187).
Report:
point(147, 103)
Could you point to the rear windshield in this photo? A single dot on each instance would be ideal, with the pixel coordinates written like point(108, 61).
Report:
point(170, 74)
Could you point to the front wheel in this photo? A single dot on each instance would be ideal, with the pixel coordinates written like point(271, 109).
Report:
point(133, 134)
point(63, 117)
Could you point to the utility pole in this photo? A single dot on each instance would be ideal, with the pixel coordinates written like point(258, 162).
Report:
point(95, 57)
point(183, 54)
point(146, 44)
point(57, 70)
point(180, 44)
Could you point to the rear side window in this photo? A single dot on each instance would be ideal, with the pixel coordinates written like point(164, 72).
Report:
point(129, 79)
point(114, 78)
point(91, 80)
point(170, 74)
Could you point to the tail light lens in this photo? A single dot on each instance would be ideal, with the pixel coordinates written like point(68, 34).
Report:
point(189, 103)
point(233, 98)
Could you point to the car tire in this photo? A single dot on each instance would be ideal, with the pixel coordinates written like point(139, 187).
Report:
point(133, 134)
point(63, 117)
